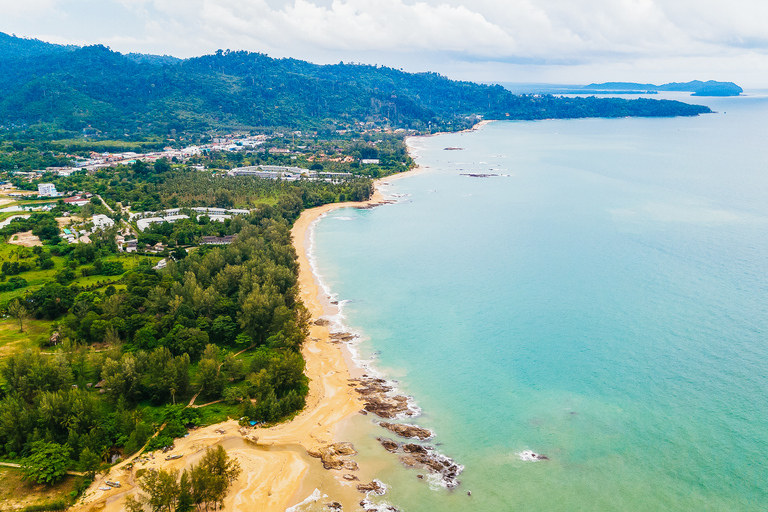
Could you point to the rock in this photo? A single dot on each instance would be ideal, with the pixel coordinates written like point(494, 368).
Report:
point(331, 456)
point(388, 444)
point(351, 478)
point(321, 322)
point(339, 337)
point(407, 431)
point(414, 448)
point(334, 505)
point(375, 486)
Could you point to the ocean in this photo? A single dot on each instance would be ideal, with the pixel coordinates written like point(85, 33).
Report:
point(599, 298)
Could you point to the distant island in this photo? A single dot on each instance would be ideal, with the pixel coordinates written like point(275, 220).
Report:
point(697, 87)
point(69, 89)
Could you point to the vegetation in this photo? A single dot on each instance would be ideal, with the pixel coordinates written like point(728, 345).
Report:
point(103, 92)
point(202, 487)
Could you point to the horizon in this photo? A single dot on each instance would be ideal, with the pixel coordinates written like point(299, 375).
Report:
point(644, 41)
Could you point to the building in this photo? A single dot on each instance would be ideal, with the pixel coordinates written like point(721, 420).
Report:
point(143, 224)
point(77, 201)
point(218, 240)
point(367, 161)
point(47, 189)
point(102, 222)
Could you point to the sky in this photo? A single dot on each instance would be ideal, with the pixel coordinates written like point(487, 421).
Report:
point(552, 41)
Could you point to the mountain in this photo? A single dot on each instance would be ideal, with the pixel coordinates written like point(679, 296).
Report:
point(93, 86)
point(697, 87)
point(12, 46)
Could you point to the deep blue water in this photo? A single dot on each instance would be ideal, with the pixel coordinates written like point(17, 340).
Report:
point(602, 301)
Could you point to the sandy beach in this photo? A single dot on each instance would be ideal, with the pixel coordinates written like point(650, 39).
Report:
point(277, 470)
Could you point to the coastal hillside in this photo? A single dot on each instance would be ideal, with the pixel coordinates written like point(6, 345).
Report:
point(93, 87)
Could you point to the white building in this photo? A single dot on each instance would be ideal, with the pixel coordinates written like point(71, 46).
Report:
point(102, 222)
point(47, 189)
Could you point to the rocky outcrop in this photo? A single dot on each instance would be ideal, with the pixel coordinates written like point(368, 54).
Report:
point(342, 337)
point(332, 456)
point(407, 431)
point(375, 487)
point(420, 456)
point(388, 444)
point(379, 399)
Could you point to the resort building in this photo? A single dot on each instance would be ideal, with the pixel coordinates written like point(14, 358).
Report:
point(47, 190)
point(102, 222)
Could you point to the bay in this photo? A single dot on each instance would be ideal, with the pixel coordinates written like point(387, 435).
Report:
point(601, 300)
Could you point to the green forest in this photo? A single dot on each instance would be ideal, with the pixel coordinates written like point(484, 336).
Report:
point(56, 91)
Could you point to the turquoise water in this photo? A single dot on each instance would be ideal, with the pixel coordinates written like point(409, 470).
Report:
point(603, 302)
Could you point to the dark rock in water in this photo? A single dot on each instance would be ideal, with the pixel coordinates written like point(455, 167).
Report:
point(407, 431)
point(414, 448)
point(375, 487)
point(351, 478)
point(479, 175)
point(321, 322)
point(370, 507)
point(335, 506)
point(388, 444)
point(420, 476)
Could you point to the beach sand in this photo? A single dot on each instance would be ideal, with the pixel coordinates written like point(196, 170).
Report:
point(277, 471)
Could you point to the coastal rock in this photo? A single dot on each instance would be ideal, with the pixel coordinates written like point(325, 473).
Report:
point(342, 337)
point(415, 455)
point(375, 487)
point(414, 448)
point(335, 506)
point(332, 456)
point(321, 322)
point(407, 431)
point(350, 478)
point(373, 507)
point(388, 444)
point(530, 456)
point(379, 399)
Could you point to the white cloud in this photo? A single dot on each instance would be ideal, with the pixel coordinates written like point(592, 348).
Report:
point(428, 34)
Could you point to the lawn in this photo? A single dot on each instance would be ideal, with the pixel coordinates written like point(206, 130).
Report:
point(35, 332)
point(18, 494)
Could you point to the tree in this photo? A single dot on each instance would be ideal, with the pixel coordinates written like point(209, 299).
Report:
point(17, 310)
point(204, 485)
point(212, 477)
point(47, 462)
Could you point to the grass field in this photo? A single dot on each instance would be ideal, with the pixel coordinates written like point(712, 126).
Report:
point(18, 494)
point(35, 332)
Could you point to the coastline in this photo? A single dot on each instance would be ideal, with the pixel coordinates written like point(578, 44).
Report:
point(278, 471)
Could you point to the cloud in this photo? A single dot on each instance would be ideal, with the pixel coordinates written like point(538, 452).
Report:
point(426, 33)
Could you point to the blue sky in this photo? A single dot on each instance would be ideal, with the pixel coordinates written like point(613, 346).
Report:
point(560, 41)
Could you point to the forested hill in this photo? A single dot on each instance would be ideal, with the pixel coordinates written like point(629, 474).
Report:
point(73, 88)
point(697, 87)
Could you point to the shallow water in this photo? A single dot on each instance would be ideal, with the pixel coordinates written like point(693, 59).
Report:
point(602, 302)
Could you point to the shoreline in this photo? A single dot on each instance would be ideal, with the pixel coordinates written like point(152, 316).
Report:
point(278, 471)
